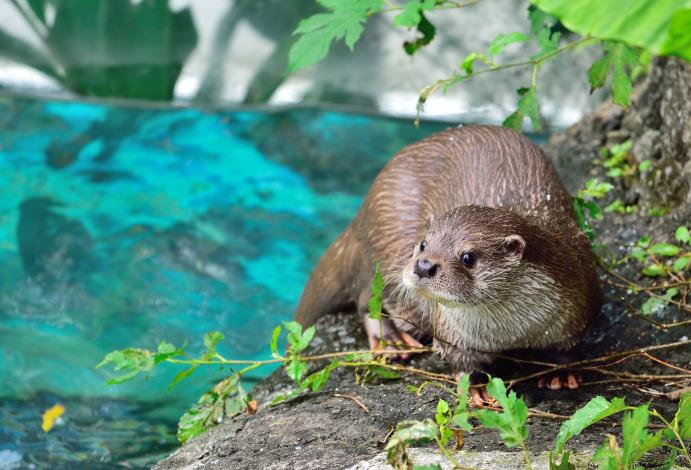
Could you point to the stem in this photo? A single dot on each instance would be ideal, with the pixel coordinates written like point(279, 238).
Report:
point(427, 91)
point(318, 357)
point(676, 433)
point(526, 455)
point(449, 5)
point(536, 61)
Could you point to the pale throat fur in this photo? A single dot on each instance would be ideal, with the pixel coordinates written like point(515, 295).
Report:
point(533, 315)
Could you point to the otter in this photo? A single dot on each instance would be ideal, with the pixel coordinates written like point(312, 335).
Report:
point(480, 249)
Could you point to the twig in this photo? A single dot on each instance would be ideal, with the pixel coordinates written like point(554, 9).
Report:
point(666, 364)
point(357, 401)
point(676, 394)
point(648, 291)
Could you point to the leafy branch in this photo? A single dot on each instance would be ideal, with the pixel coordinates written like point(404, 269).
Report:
point(626, 51)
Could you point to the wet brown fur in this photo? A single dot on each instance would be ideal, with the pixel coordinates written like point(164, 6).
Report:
point(479, 184)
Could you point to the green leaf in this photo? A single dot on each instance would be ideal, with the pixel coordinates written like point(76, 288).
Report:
point(165, 351)
point(644, 166)
point(429, 466)
point(427, 32)
point(460, 413)
point(683, 415)
point(617, 61)
point(274, 341)
point(657, 211)
point(682, 235)
point(297, 339)
point(211, 339)
point(131, 361)
point(319, 379)
point(595, 189)
point(375, 301)
point(527, 107)
point(593, 210)
point(654, 270)
point(183, 374)
point(637, 440)
point(442, 418)
point(595, 410)
point(664, 249)
point(500, 42)
point(463, 386)
point(644, 241)
point(212, 408)
point(296, 369)
point(681, 263)
point(307, 337)
point(678, 40)
point(616, 206)
point(511, 422)
point(652, 305)
point(411, 14)
point(442, 412)
point(345, 21)
point(579, 212)
point(541, 25)
point(608, 454)
point(469, 60)
point(660, 27)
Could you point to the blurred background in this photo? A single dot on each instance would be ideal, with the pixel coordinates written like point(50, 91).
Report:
point(164, 177)
point(216, 53)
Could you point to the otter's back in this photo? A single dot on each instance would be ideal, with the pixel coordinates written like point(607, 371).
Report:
point(475, 165)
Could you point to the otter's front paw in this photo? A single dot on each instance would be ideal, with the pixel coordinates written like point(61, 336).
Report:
point(478, 390)
point(387, 335)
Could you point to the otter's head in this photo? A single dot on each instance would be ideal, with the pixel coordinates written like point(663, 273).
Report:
point(470, 256)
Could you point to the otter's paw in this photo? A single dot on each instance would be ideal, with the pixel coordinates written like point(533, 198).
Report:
point(389, 338)
point(558, 380)
point(479, 395)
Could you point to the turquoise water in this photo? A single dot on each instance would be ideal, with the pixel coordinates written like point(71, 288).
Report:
point(124, 226)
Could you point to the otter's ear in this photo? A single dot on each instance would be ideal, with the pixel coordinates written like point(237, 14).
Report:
point(429, 221)
point(513, 246)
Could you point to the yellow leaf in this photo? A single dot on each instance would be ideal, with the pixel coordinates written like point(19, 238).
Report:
point(51, 415)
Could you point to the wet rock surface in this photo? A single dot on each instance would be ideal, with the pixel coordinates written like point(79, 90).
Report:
point(330, 429)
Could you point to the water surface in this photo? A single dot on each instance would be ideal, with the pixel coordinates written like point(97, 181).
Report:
point(124, 226)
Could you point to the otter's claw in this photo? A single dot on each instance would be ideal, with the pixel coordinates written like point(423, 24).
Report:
point(482, 398)
point(558, 381)
point(389, 336)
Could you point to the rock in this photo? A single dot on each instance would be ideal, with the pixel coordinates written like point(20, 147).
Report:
point(329, 429)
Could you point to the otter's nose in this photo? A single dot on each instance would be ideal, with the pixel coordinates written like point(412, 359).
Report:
point(425, 268)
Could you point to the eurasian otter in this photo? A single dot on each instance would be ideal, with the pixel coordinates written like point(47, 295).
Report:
point(498, 260)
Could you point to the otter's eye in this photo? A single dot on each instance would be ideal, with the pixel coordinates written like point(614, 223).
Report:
point(423, 245)
point(468, 259)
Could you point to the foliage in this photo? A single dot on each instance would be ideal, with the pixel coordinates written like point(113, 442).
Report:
point(452, 419)
point(126, 49)
point(375, 301)
point(660, 261)
point(628, 37)
point(344, 21)
point(511, 421)
point(585, 207)
point(661, 27)
point(637, 441)
point(618, 60)
point(226, 399)
point(594, 411)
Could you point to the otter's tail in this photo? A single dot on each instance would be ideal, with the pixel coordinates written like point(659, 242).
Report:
point(329, 288)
